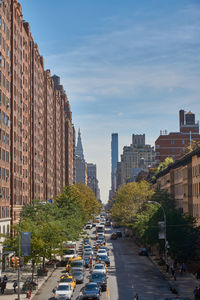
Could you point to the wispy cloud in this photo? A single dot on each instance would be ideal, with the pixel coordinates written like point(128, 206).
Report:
point(134, 75)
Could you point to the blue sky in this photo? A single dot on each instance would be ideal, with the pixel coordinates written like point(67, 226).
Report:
point(127, 66)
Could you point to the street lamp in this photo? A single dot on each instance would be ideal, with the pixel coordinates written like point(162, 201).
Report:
point(19, 254)
point(165, 225)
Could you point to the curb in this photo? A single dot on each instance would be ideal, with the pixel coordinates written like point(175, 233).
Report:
point(171, 285)
point(45, 280)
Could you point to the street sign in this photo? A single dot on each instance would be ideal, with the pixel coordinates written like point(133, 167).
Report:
point(25, 243)
point(161, 233)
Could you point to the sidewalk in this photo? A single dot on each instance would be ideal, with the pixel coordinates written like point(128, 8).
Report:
point(184, 284)
point(12, 275)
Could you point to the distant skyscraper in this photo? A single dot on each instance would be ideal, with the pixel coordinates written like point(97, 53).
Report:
point(79, 148)
point(81, 165)
point(135, 158)
point(92, 181)
point(114, 161)
point(114, 151)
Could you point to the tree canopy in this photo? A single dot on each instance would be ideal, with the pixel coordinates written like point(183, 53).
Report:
point(52, 224)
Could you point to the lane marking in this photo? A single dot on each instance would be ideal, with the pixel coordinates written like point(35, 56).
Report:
point(108, 295)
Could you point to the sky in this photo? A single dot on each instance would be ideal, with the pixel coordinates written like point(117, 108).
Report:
point(127, 66)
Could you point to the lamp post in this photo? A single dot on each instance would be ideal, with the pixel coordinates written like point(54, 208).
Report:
point(19, 250)
point(165, 225)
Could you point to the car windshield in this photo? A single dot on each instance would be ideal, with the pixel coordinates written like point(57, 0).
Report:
point(99, 267)
point(68, 251)
point(97, 276)
point(63, 288)
point(76, 264)
point(77, 273)
point(91, 287)
point(64, 280)
point(102, 256)
point(68, 279)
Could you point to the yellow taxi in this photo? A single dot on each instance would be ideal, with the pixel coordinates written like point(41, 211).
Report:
point(69, 261)
point(68, 279)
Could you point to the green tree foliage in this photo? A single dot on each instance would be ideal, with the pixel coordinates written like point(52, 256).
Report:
point(181, 230)
point(132, 209)
point(163, 165)
point(52, 224)
point(193, 145)
point(128, 201)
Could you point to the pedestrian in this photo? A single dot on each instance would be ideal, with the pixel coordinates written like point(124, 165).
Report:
point(14, 286)
point(196, 293)
point(90, 262)
point(167, 267)
point(173, 271)
point(3, 286)
point(198, 274)
point(5, 280)
point(175, 264)
point(136, 296)
point(183, 268)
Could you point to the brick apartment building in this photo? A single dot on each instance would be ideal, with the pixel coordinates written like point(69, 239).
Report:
point(5, 117)
point(181, 179)
point(175, 144)
point(37, 137)
point(49, 137)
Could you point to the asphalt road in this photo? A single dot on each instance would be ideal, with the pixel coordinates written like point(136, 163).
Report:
point(128, 274)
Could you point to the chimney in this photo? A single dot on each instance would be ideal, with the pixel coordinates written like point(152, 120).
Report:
point(181, 118)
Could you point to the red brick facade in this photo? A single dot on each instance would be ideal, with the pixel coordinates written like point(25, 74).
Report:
point(175, 144)
point(36, 130)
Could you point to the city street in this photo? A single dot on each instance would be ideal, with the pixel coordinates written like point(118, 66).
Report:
point(128, 274)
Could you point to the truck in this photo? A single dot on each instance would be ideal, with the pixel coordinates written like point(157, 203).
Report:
point(69, 250)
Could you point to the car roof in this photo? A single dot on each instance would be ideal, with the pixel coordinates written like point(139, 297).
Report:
point(99, 264)
point(97, 273)
point(64, 283)
point(91, 283)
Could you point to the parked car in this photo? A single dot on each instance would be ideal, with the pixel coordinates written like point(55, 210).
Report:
point(63, 291)
point(100, 279)
point(113, 236)
point(119, 234)
point(91, 291)
point(143, 252)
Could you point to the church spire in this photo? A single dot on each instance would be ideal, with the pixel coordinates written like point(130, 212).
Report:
point(79, 147)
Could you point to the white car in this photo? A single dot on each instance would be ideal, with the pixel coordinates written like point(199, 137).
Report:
point(99, 268)
point(102, 252)
point(64, 291)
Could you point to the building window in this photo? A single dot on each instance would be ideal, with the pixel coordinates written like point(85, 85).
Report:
point(173, 149)
point(183, 142)
point(172, 142)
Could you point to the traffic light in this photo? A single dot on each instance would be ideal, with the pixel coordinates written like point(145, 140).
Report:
point(16, 262)
point(12, 261)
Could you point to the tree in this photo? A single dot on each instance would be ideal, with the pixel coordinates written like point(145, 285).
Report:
point(181, 230)
point(53, 224)
point(129, 200)
point(163, 165)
